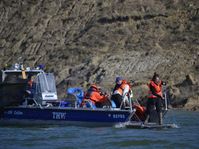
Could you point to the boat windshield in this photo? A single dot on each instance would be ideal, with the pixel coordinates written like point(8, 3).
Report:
point(46, 82)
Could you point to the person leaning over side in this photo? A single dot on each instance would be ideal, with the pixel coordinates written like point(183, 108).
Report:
point(155, 98)
point(120, 90)
point(94, 94)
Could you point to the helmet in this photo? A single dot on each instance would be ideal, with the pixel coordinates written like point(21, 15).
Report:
point(118, 79)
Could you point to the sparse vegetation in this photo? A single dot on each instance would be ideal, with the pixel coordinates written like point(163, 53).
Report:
point(97, 40)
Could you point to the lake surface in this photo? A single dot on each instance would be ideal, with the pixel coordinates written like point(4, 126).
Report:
point(73, 137)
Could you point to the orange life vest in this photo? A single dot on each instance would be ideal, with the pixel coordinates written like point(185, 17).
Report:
point(94, 95)
point(121, 87)
point(140, 111)
point(157, 87)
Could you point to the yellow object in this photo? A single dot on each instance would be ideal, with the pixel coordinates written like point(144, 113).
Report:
point(23, 72)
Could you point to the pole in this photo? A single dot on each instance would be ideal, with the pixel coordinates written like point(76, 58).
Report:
point(165, 98)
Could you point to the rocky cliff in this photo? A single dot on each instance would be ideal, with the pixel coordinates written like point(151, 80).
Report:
point(85, 41)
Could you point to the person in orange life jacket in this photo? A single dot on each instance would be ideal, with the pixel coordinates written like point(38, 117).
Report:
point(95, 95)
point(120, 90)
point(155, 97)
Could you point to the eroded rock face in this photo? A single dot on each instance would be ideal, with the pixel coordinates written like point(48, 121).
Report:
point(189, 81)
point(97, 40)
point(185, 94)
point(192, 103)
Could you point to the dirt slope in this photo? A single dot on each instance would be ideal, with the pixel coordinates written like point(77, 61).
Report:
point(85, 41)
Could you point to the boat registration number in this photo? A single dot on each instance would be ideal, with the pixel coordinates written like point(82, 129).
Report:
point(117, 116)
point(15, 112)
point(59, 115)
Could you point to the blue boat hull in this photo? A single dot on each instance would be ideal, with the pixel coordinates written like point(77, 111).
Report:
point(24, 115)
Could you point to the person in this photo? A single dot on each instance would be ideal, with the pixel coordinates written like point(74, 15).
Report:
point(95, 95)
point(120, 92)
point(76, 92)
point(155, 98)
point(30, 88)
point(29, 92)
point(30, 81)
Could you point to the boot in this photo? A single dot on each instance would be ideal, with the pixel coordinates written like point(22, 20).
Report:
point(160, 118)
point(146, 120)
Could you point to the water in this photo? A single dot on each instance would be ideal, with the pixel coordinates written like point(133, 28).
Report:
point(69, 137)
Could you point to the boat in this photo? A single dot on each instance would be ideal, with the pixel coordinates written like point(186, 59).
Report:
point(42, 106)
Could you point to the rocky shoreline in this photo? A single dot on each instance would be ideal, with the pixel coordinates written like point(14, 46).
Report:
point(186, 94)
point(94, 41)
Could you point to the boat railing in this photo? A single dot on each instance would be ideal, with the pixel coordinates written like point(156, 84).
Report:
point(126, 102)
point(165, 98)
point(165, 110)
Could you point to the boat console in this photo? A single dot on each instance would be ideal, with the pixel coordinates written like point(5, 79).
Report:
point(14, 86)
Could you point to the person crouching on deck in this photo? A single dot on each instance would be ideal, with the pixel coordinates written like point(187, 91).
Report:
point(95, 95)
point(120, 92)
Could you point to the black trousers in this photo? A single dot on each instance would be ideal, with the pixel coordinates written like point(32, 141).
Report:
point(157, 102)
point(117, 98)
point(98, 104)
